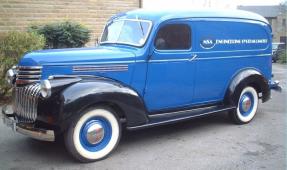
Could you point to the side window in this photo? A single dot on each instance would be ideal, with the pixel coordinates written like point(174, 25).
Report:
point(173, 37)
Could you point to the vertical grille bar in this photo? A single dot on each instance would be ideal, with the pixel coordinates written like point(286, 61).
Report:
point(26, 116)
point(30, 102)
point(26, 102)
point(21, 102)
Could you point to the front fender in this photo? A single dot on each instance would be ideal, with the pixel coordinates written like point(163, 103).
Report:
point(248, 77)
point(87, 93)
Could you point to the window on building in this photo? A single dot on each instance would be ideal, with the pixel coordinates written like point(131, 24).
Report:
point(284, 22)
point(173, 37)
point(283, 39)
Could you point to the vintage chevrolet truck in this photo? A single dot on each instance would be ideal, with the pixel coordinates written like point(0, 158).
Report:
point(150, 68)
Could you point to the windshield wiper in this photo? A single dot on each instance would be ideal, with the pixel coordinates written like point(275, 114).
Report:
point(141, 28)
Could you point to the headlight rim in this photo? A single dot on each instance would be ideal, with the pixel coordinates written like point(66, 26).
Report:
point(45, 88)
point(10, 76)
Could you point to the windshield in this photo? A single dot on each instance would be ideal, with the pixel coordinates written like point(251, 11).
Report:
point(126, 31)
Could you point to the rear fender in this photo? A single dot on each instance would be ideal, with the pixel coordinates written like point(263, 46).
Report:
point(248, 77)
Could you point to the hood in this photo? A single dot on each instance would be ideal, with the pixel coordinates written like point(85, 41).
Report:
point(101, 54)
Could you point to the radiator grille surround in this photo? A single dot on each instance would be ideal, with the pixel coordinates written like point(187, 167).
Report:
point(28, 74)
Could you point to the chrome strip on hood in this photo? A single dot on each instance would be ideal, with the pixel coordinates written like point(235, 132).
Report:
point(100, 68)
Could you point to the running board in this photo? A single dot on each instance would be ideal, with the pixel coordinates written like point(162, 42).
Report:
point(171, 117)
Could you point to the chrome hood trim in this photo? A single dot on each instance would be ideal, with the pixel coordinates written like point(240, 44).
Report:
point(100, 68)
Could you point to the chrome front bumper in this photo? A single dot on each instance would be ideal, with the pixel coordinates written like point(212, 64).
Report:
point(26, 128)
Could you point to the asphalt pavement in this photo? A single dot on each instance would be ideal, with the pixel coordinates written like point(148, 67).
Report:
point(211, 142)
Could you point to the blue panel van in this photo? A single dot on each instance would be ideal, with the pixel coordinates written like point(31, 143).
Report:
point(150, 68)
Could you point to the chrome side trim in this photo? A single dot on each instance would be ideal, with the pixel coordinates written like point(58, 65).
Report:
point(29, 67)
point(104, 68)
point(24, 72)
point(208, 58)
point(169, 60)
point(176, 119)
point(182, 111)
point(29, 76)
point(231, 57)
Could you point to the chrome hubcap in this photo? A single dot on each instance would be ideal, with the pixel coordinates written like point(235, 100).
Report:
point(95, 133)
point(246, 103)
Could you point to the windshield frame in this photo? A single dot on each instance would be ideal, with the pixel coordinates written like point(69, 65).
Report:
point(127, 43)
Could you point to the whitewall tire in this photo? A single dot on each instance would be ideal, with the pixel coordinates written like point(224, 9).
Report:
point(94, 135)
point(246, 107)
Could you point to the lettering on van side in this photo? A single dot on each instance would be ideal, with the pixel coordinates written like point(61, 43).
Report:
point(210, 43)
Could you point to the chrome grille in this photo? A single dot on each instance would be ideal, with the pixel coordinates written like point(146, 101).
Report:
point(25, 102)
point(26, 75)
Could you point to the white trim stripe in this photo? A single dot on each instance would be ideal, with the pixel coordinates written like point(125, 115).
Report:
point(209, 58)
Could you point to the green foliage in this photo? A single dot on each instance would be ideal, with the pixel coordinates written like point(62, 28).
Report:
point(13, 46)
point(63, 35)
point(283, 57)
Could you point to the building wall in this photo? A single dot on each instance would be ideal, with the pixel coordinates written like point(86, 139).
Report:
point(19, 14)
point(279, 28)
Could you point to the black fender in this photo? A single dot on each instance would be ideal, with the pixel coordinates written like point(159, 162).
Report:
point(90, 92)
point(247, 77)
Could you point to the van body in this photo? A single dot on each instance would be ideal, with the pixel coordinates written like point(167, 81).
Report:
point(150, 68)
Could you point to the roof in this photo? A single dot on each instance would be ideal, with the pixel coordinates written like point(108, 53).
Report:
point(158, 16)
point(265, 11)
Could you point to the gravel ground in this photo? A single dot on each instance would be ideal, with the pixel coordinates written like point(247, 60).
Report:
point(207, 143)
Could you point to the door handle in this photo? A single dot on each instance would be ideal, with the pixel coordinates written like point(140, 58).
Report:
point(193, 56)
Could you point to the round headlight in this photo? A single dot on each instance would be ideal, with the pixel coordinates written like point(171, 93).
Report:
point(46, 89)
point(10, 76)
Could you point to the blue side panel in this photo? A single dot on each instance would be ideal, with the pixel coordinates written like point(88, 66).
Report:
point(225, 50)
point(169, 84)
point(170, 75)
point(122, 76)
point(139, 79)
point(212, 82)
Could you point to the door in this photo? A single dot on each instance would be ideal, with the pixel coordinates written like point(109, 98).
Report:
point(170, 81)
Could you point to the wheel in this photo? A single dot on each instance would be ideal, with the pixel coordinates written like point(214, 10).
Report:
point(94, 135)
point(246, 107)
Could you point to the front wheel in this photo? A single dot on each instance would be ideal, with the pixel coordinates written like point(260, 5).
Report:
point(246, 107)
point(94, 135)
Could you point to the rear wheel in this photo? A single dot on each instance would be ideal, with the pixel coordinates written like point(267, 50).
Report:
point(246, 107)
point(94, 135)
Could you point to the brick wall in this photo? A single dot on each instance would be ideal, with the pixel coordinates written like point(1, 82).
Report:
point(19, 14)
